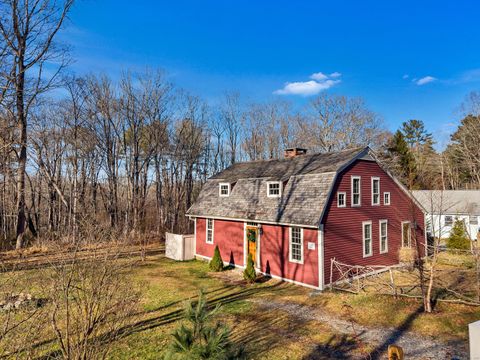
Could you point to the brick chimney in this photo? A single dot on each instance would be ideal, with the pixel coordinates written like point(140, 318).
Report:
point(294, 152)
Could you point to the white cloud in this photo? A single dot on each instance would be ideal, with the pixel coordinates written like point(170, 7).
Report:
point(319, 82)
point(319, 76)
point(406, 76)
point(424, 80)
point(306, 88)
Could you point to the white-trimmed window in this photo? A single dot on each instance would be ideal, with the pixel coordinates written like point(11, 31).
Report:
point(224, 189)
point(209, 235)
point(296, 245)
point(341, 199)
point(473, 220)
point(406, 234)
point(274, 189)
point(356, 200)
point(375, 191)
point(383, 233)
point(386, 198)
point(367, 238)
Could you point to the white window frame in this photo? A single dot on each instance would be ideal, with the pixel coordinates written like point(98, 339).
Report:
point(279, 189)
point(410, 232)
point(344, 199)
point(470, 217)
point(206, 230)
point(380, 222)
point(375, 178)
point(371, 238)
point(359, 191)
point(290, 245)
point(220, 189)
point(389, 198)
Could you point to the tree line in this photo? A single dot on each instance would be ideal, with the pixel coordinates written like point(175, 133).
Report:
point(128, 156)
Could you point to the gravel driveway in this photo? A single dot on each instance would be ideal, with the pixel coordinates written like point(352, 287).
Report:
point(415, 346)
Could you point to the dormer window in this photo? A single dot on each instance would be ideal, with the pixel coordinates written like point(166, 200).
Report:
point(274, 189)
point(224, 189)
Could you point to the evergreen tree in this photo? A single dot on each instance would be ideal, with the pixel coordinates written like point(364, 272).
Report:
point(415, 134)
point(249, 273)
point(403, 160)
point(200, 338)
point(420, 143)
point(458, 237)
point(216, 264)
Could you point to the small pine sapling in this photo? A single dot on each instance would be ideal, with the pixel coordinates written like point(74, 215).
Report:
point(249, 273)
point(216, 264)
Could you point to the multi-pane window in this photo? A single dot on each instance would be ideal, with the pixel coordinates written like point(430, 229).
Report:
point(296, 244)
point(386, 198)
point(355, 191)
point(406, 234)
point(341, 199)
point(375, 191)
point(367, 239)
point(209, 237)
point(224, 189)
point(274, 189)
point(383, 236)
point(448, 220)
point(473, 220)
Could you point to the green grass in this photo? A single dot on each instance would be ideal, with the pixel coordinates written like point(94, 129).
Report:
point(274, 334)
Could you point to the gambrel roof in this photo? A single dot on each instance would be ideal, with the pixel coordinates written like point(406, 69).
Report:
point(307, 180)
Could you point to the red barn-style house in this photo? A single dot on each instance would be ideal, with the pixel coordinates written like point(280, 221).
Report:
point(296, 214)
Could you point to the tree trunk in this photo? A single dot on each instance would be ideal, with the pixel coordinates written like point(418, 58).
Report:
point(22, 160)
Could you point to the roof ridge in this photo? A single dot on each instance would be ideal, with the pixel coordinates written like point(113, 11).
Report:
point(359, 148)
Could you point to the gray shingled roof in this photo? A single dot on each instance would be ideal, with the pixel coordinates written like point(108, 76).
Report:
point(449, 202)
point(307, 182)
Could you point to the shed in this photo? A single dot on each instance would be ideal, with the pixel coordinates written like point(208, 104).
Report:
point(179, 247)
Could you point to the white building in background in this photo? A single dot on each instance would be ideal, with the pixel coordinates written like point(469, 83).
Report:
point(443, 207)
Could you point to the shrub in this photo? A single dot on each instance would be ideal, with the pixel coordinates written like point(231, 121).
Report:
point(200, 338)
point(458, 239)
point(249, 273)
point(216, 264)
point(406, 255)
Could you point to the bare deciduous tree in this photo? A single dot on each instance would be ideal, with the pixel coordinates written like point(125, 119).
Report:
point(27, 30)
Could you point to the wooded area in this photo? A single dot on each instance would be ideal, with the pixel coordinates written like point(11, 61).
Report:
point(86, 154)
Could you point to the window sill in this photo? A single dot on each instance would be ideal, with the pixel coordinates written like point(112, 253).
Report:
point(296, 261)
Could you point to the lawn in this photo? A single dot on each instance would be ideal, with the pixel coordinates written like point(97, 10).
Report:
point(261, 316)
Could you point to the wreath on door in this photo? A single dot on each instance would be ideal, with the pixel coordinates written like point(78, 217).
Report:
point(251, 235)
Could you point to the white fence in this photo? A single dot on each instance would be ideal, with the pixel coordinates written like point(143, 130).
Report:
point(179, 247)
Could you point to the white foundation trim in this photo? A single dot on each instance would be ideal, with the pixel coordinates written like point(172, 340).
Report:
point(261, 272)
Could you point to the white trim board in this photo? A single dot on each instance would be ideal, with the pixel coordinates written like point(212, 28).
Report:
point(321, 255)
point(263, 273)
point(252, 220)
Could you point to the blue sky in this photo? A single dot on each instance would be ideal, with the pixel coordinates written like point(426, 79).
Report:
point(408, 59)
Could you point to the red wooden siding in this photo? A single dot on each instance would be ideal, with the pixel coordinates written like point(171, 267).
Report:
point(343, 226)
point(274, 255)
point(228, 235)
point(273, 247)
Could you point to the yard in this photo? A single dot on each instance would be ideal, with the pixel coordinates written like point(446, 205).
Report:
point(278, 320)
